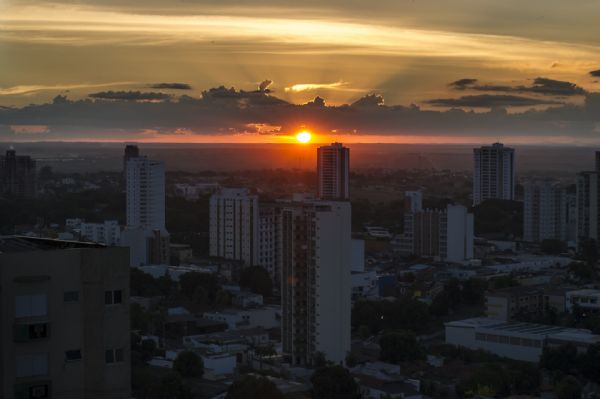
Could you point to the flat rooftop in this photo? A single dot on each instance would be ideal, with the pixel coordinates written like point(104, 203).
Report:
point(9, 244)
point(515, 327)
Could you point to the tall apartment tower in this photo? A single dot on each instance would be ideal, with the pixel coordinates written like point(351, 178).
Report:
point(333, 166)
point(145, 231)
point(588, 215)
point(64, 329)
point(269, 226)
point(234, 225)
point(493, 173)
point(145, 193)
point(18, 177)
point(546, 211)
point(315, 276)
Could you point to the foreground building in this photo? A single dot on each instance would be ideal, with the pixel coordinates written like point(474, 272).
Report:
point(333, 169)
point(588, 215)
point(493, 173)
point(546, 211)
point(515, 340)
point(234, 225)
point(145, 233)
point(316, 282)
point(18, 178)
point(65, 320)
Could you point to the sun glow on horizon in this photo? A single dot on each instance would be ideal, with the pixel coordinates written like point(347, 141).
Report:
point(303, 137)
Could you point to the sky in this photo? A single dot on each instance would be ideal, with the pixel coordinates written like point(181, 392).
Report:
point(430, 71)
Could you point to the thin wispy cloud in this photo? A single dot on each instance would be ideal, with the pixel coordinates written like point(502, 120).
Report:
point(29, 89)
point(316, 86)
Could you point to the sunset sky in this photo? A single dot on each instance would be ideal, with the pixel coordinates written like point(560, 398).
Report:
point(249, 71)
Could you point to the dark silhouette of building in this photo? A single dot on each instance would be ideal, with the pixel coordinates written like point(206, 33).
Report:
point(17, 175)
point(131, 151)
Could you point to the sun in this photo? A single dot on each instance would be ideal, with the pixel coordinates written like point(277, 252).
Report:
point(303, 136)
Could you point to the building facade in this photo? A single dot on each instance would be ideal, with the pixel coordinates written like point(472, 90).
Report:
point(65, 320)
point(493, 173)
point(545, 211)
point(587, 206)
point(234, 225)
point(145, 233)
point(333, 167)
point(316, 282)
point(18, 176)
point(108, 233)
point(269, 226)
point(446, 234)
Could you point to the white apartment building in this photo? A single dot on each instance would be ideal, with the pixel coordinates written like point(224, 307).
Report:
point(545, 213)
point(316, 280)
point(108, 233)
point(444, 234)
point(493, 173)
point(333, 166)
point(234, 225)
point(145, 233)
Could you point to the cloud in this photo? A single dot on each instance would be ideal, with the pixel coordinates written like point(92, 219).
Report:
point(370, 100)
point(595, 73)
point(228, 111)
point(462, 84)
point(541, 86)
point(171, 86)
point(316, 86)
point(264, 85)
point(33, 88)
point(130, 96)
point(491, 101)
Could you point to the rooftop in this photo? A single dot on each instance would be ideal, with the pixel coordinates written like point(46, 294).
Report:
point(9, 244)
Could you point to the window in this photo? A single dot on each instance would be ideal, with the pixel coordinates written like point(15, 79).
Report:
point(114, 355)
point(32, 365)
point(73, 355)
point(31, 305)
point(71, 296)
point(113, 297)
point(35, 390)
point(31, 332)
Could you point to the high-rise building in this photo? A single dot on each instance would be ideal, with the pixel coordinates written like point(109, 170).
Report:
point(446, 234)
point(413, 201)
point(493, 173)
point(108, 232)
point(268, 239)
point(545, 214)
point(316, 280)
point(131, 151)
point(64, 329)
point(234, 225)
point(145, 193)
point(145, 232)
point(587, 206)
point(18, 177)
point(333, 166)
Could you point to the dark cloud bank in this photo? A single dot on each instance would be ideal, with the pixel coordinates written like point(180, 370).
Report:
point(221, 110)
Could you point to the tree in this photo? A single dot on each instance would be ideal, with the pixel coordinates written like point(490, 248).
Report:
point(188, 364)
point(488, 380)
point(473, 291)
point(568, 388)
point(256, 279)
point(172, 387)
point(200, 287)
point(334, 382)
point(252, 387)
point(589, 251)
point(589, 364)
point(147, 349)
point(398, 346)
point(563, 359)
point(552, 246)
point(439, 306)
point(364, 332)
